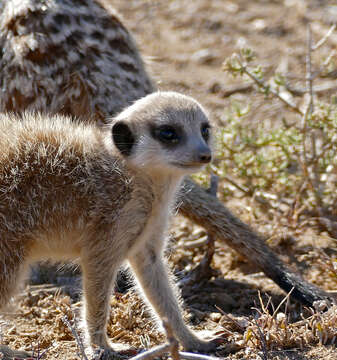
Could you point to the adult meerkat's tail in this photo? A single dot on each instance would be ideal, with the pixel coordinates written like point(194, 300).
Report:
point(74, 59)
point(207, 211)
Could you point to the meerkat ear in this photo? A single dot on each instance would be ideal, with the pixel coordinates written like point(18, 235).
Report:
point(123, 137)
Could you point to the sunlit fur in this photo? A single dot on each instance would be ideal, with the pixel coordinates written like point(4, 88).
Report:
point(68, 193)
point(166, 108)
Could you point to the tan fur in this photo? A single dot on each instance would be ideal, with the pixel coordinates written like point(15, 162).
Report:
point(67, 193)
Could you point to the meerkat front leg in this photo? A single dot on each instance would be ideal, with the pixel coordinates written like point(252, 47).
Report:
point(152, 273)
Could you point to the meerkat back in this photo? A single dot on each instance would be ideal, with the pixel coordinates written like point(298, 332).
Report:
point(51, 170)
point(68, 57)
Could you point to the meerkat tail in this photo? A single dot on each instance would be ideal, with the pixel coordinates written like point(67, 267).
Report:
point(202, 208)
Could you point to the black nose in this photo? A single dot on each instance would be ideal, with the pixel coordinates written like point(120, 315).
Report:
point(205, 157)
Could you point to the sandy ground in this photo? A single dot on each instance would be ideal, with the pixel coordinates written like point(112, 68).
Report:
point(185, 43)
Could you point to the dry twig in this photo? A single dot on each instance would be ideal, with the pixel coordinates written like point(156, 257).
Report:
point(263, 342)
point(171, 347)
point(77, 337)
point(286, 298)
point(153, 353)
point(263, 86)
point(193, 356)
point(318, 89)
point(324, 38)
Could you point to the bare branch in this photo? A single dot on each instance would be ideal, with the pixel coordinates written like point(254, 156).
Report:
point(262, 85)
point(76, 336)
point(236, 323)
point(282, 302)
point(193, 356)
point(309, 174)
point(163, 349)
point(309, 77)
point(263, 342)
point(319, 89)
point(324, 38)
point(153, 353)
point(238, 186)
point(172, 346)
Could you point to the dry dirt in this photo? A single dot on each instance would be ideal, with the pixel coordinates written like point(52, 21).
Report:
point(185, 43)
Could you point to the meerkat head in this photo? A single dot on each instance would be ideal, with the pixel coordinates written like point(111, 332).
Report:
point(166, 132)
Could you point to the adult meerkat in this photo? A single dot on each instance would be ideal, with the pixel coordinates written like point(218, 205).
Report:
point(70, 190)
point(76, 56)
point(60, 56)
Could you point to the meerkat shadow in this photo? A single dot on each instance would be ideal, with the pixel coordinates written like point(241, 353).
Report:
point(68, 277)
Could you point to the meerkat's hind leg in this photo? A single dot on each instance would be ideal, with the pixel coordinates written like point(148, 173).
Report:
point(99, 268)
point(97, 285)
point(12, 269)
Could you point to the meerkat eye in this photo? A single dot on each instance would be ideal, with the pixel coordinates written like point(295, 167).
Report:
point(167, 134)
point(205, 131)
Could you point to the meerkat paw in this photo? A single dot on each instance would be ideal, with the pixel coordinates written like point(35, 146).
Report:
point(115, 351)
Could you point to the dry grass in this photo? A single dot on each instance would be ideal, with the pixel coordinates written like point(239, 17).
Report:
point(173, 34)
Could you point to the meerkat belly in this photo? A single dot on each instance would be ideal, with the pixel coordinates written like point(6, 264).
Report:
point(55, 246)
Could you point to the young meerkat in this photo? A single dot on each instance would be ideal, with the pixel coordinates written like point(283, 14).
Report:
point(103, 196)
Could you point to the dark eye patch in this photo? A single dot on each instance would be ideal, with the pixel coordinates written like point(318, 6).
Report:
point(205, 131)
point(167, 134)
